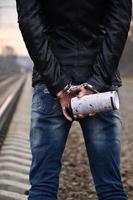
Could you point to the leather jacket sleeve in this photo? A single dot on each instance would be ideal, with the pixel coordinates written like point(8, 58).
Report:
point(33, 28)
point(116, 25)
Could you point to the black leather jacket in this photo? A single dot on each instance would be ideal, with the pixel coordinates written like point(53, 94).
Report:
point(77, 41)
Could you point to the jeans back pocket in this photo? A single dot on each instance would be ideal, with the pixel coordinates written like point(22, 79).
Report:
point(43, 101)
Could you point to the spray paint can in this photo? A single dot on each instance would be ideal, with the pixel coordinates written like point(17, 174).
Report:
point(94, 103)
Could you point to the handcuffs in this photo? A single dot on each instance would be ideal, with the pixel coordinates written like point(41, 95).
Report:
point(69, 88)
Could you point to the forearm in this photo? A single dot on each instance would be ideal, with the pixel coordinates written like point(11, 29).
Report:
point(117, 23)
point(34, 31)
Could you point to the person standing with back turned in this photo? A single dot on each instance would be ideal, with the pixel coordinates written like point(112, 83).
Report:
point(74, 43)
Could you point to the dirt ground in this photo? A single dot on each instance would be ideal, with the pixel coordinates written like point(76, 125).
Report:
point(75, 180)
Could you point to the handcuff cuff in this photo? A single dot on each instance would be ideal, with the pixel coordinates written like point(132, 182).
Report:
point(89, 86)
point(69, 88)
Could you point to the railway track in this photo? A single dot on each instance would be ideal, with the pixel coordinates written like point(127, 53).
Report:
point(3, 77)
point(15, 153)
point(8, 85)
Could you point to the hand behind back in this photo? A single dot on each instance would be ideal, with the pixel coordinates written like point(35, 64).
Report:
point(78, 91)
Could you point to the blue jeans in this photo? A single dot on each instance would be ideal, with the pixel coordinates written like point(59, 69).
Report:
point(48, 134)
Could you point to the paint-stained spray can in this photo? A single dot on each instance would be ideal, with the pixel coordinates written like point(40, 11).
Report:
point(94, 103)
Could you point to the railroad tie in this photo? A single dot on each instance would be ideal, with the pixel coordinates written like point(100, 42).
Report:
point(15, 154)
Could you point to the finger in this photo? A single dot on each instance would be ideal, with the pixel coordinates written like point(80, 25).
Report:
point(81, 94)
point(66, 114)
point(87, 114)
point(78, 116)
point(75, 116)
point(78, 90)
point(81, 115)
point(92, 114)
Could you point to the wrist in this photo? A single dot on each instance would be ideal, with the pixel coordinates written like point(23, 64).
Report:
point(89, 86)
point(66, 90)
point(60, 94)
